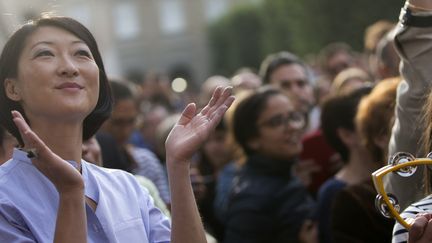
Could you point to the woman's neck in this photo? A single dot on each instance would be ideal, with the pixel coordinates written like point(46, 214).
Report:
point(64, 139)
point(358, 169)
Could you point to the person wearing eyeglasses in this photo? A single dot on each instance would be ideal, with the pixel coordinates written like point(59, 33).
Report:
point(267, 202)
point(114, 135)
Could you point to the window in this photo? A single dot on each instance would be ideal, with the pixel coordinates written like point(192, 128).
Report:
point(215, 9)
point(126, 20)
point(171, 16)
point(81, 13)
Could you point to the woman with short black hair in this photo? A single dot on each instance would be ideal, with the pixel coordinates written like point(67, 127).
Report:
point(54, 95)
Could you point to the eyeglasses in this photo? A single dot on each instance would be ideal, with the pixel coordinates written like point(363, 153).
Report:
point(294, 119)
point(403, 165)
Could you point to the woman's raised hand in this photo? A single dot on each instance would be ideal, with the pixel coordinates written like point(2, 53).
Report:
point(185, 138)
point(63, 175)
point(193, 129)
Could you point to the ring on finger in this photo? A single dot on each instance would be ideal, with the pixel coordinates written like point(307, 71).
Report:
point(31, 153)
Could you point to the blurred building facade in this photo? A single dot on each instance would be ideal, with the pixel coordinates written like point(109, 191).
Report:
point(136, 35)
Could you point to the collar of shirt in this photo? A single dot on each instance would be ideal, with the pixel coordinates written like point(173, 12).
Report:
point(90, 190)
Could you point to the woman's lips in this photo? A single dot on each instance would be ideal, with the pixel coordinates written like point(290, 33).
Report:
point(71, 86)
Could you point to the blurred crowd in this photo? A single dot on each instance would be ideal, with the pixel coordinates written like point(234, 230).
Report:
point(292, 159)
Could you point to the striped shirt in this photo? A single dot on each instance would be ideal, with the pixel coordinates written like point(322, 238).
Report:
point(400, 234)
point(150, 167)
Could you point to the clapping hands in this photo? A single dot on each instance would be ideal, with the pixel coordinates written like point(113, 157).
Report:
point(193, 128)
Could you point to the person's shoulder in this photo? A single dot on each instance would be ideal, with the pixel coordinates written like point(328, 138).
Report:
point(21, 182)
point(143, 154)
point(331, 185)
point(365, 189)
point(423, 205)
point(6, 173)
point(16, 170)
point(7, 166)
point(138, 151)
point(146, 182)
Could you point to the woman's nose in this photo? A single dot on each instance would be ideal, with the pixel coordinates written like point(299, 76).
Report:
point(67, 67)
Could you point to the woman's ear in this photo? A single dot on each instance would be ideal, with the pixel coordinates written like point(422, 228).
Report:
point(11, 89)
point(349, 138)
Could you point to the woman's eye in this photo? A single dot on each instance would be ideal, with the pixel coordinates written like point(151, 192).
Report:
point(276, 121)
point(83, 53)
point(44, 53)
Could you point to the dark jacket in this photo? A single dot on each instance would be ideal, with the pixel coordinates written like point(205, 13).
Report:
point(267, 203)
point(355, 218)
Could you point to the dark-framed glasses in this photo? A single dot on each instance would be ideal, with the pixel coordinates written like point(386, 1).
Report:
point(293, 119)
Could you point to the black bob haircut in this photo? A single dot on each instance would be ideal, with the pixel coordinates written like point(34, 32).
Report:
point(9, 69)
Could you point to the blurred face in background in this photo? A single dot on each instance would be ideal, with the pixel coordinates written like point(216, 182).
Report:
point(293, 81)
point(91, 151)
point(7, 145)
point(151, 121)
point(216, 150)
point(280, 130)
point(122, 121)
point(338, 62)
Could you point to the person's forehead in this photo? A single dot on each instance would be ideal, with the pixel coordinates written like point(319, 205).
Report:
point(288, 72)
point(277, 104)
point(51, 35)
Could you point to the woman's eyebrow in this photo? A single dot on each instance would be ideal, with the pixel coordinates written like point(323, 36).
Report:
point(52, 43)
point(41, 42)
point(78, 42)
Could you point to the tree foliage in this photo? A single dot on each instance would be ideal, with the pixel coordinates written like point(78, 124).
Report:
point(245, 35)
point(235, 40)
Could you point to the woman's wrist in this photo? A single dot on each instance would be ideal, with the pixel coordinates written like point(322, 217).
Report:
point(177, 163)
point(178, 169)
point(72, 193)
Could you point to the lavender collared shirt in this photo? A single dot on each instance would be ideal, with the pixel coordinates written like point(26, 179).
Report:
point(124, 213)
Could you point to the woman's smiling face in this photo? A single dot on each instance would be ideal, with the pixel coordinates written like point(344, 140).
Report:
point(280, 129)
point(57, 76)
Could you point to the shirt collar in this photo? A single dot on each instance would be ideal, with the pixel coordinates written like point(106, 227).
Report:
point(89, 184)
point(21, 156)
